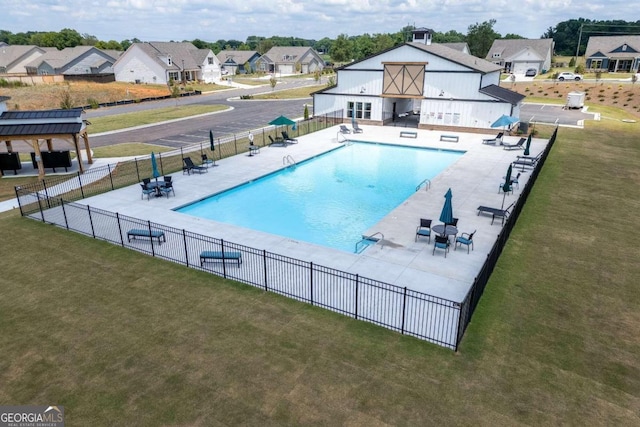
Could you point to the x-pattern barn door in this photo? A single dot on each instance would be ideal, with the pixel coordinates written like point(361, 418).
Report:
point(403, 80)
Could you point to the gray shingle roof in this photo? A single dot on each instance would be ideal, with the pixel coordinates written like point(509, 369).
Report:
point(605, 44)
point(296, 53)
point(178, 51)
point(456, 46)
point(10, 54)
point(510, 47)
point(458, 57)
point(238, 56)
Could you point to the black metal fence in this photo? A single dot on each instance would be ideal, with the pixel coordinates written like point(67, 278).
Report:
point(397, 308)
point(102, 179)
point(425, 316)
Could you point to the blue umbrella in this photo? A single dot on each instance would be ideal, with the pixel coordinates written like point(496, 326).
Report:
point(446, 216)
point(504, 120)
point(526, 147)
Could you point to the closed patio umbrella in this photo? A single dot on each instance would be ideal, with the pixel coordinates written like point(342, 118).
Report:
point(212, 146)
point(154, 166)
point(507, 185)
point(446, 216)
point(527, 146)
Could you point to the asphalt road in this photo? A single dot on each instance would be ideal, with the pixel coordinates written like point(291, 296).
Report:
point(553, 114)
point(244, 115)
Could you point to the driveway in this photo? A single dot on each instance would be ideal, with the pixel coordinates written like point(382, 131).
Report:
point(554, 114)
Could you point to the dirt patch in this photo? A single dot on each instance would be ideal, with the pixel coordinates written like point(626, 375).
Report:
point(45, 97)
point(619, 95)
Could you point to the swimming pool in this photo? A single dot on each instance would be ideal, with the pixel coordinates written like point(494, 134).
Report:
point(331, 199)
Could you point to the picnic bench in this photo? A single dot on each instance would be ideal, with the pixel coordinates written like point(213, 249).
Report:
point(219, 256)
point(408, 134)
point(147, 234)
point(450, 138)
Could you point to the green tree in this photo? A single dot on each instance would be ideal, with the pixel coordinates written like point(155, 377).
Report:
point(480, 37)
point(363, 47)
point(382, 42)
point(89, 40)
point(306, 112)
point(273, 82)
point(264, 46)
point(342, 49)
point(450, 36)
point(323, 45)
point(67, 38)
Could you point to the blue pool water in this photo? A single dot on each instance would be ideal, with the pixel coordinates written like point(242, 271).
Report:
point(331, 199)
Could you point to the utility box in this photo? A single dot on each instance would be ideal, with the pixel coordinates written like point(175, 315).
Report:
point(575, 100)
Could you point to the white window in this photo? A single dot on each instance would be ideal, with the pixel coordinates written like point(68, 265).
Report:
point(359, 110)
point(173, 75)
point(169, 60)
point(210, 60)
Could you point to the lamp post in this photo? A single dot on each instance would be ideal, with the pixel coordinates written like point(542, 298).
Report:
point(184, 75)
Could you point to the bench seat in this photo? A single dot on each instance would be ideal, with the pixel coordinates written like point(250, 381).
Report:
point(408, 134)
point(452, 138)
point(218, 256)
point(254, 149)
point(148, 234)
point(495, 213)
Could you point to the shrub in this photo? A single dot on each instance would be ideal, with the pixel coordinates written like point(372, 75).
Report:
point(580, 69)
point(93, 103)
point(66, 101)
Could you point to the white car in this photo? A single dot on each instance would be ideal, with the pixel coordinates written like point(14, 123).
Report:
point(569, 76)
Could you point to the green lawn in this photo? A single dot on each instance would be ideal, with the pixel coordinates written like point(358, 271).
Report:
point(123, 121)
point(120, 338)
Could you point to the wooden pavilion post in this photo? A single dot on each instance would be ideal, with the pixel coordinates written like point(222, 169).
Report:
point(78, 153)
point(36, 149)
point(87, 148)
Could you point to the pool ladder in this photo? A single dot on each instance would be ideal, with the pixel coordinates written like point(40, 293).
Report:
point(289, 161)
point(367, 241)
point(426, 183)
point(346, 140)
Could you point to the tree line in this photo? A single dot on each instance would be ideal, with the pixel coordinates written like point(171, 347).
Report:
point(344, 48)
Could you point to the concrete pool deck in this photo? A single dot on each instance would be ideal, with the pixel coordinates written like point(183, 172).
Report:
point(474, 180)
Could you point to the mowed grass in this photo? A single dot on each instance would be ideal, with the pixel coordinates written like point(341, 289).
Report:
point(120, 338)
point(123, 121)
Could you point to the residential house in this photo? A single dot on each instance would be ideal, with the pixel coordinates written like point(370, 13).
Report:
point(435, 85)
point(613, 53)
point(290, 60)
point(234, 61)
point(72, 61)
point(13, 59)
point(462, 47)
point(162, 62)
point(518, 55)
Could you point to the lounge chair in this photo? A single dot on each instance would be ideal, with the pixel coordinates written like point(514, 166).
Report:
point(206, 161)
point(356, 128)
point(527, 161)
point(277, 141)
point(496, 212)
point(287, 138)
point(189, 166)
point(465, 239)
point(424, 229)
point(442, 242)
point(517, 146)
point(493, 141)
point(344, 129)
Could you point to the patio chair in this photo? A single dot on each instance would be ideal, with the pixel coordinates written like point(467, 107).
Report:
point(424, 229)
point(356, 128)
point(493, 141)
point(146, 191)
point(167, 188)
point(206, 162)
point(344, 129)
point(517, 146)
point(527, 161)
point(442, 242)
point(189, 166)
point(286, 137)
point(465, 239)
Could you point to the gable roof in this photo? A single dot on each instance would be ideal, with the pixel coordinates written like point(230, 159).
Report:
point(237, 56)
point(458, 57)
point(277, 54)
point(12, 53)
point(502, 94)
point(510, 47)
point(608, 44)
point(58, 59)
point(462, 46)
point(40, 122)
point(178, 51)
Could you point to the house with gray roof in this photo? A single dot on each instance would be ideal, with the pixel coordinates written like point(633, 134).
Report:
point(13, 59)
point(290, 60)
point(613, 54)
point(518, 55)
point(429, 86)
point(462, 47)
point(72, 61)
point(162, 62)
point(234, 61)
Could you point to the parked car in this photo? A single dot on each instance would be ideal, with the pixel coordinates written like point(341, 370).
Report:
point(569, 76)
point(531, 72)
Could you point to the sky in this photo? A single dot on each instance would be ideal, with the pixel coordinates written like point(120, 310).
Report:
point(211, 20)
